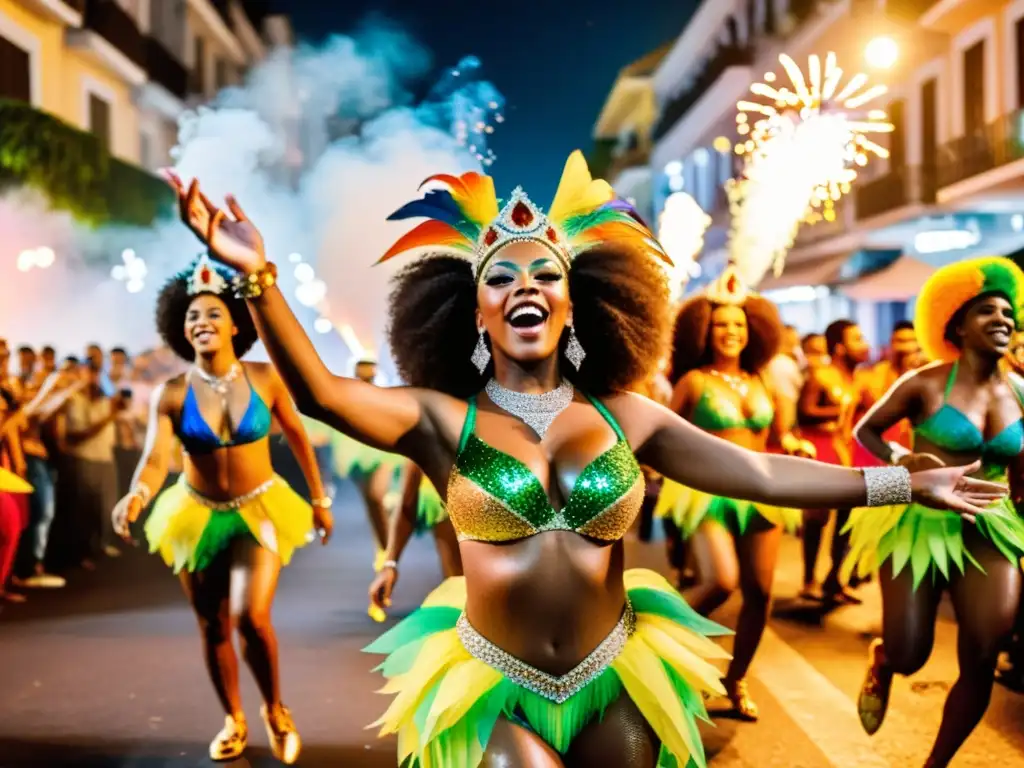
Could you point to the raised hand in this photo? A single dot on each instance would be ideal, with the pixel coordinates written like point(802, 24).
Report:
point(951, 488)
point(229, 235)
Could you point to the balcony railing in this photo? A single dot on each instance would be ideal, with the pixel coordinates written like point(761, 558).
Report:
point(725, 57)
point(117, 27)
point(900, 187)
point(995, 145)
point(165, 69)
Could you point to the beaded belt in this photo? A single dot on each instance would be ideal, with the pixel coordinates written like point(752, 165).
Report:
point(235, 503)
point(554, 688)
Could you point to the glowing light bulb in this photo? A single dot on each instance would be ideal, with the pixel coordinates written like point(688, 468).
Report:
point(304, 273)
point(323, 325)
point(294, 258)
point(45, 257)
point(882, 53)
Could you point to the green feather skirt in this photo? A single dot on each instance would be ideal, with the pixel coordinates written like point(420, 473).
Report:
point(929, 540)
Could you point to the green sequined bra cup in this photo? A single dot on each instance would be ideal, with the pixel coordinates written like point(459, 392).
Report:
point(495, 497)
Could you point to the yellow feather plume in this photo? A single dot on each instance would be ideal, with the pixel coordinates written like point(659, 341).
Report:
point(578, 191)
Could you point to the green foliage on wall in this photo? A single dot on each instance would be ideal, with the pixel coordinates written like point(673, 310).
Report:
point(73, 170)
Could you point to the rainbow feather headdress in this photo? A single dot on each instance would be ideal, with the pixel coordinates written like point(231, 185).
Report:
point(464, 219)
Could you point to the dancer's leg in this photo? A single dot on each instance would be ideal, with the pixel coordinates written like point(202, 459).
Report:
point(254, 574)
point(813, 526)
point(908, 632)
point(718, 572)
point(513, 746)
point(622, 738)
point(757, 552)
point(986, 607)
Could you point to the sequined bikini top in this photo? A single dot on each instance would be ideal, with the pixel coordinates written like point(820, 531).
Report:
point(715, 412)
point(495, 497)
point(950, 429)
point(198, 438)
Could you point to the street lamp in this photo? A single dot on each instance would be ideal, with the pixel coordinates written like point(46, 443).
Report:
point(881, 53)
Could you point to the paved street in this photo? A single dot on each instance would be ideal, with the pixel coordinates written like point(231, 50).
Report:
point(107, 673)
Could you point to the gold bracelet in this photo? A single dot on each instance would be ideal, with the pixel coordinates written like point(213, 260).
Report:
point(255, 284)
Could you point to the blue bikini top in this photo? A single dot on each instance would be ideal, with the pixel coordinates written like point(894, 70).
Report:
point(951, 430)
point(198, 438)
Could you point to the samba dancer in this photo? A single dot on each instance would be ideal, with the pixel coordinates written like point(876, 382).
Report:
point(519, 336)
point(229, 524)
point(965, 411)
point(724, 339)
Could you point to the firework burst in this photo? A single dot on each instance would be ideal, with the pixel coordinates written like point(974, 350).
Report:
point(802, 144)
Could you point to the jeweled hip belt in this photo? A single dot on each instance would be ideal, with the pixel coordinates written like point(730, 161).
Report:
point(552, 687)
point(229, 504)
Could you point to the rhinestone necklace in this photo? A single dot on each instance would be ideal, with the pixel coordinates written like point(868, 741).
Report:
point(536, 411)
point(219, 384)
point(737, 383)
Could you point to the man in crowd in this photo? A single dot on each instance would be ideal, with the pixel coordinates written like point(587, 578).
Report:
point(826, 409)
point(87, 436)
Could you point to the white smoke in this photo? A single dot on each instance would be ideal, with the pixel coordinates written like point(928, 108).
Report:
point(274, 143)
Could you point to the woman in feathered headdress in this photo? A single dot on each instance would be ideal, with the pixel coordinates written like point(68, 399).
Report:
point(724, 337)
point(230, 523)
point(965, 412)
point(519, 336)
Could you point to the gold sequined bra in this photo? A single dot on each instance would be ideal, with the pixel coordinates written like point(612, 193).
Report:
point(495, 497)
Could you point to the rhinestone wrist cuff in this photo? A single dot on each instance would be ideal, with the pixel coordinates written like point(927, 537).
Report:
point(552, 687)
point(887, 486)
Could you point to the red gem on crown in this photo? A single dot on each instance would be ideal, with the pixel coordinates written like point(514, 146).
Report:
point(552, 235)
point(522, 216)
point(205, 275)
point(490, 237)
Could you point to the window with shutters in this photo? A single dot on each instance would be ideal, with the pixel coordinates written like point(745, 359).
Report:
point(99, 119)
point(15, 72)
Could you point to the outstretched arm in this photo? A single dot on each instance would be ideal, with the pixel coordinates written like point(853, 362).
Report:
point(683, 453)
point(397, 420)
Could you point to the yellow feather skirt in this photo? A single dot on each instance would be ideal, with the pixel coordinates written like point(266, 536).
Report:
point(189, 533)
point(688, 508)
point(447, 701)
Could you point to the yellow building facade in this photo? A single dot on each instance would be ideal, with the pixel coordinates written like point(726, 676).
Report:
point(74, 72)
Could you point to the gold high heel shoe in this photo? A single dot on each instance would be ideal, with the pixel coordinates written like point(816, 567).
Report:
point(742, 704)
point(230, 743)
point(284, 738)
point(873, 701)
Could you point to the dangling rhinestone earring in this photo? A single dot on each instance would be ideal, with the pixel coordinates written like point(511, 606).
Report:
point(574, 351)
point(481, 354)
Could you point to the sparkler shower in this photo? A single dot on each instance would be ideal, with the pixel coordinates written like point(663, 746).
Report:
point(319, 144)
point(802, 144)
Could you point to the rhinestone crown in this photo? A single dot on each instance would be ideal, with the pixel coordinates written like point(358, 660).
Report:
point(521, 220)
point(205, 278)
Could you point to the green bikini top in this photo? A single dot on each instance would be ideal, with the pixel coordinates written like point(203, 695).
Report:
point(950, 429)
point(495, 497)
point(715, 412)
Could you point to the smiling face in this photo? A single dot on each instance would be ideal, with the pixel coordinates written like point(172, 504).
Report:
point(523, 302)
point(988, 325)
point(208, 325)
point(729, 332)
